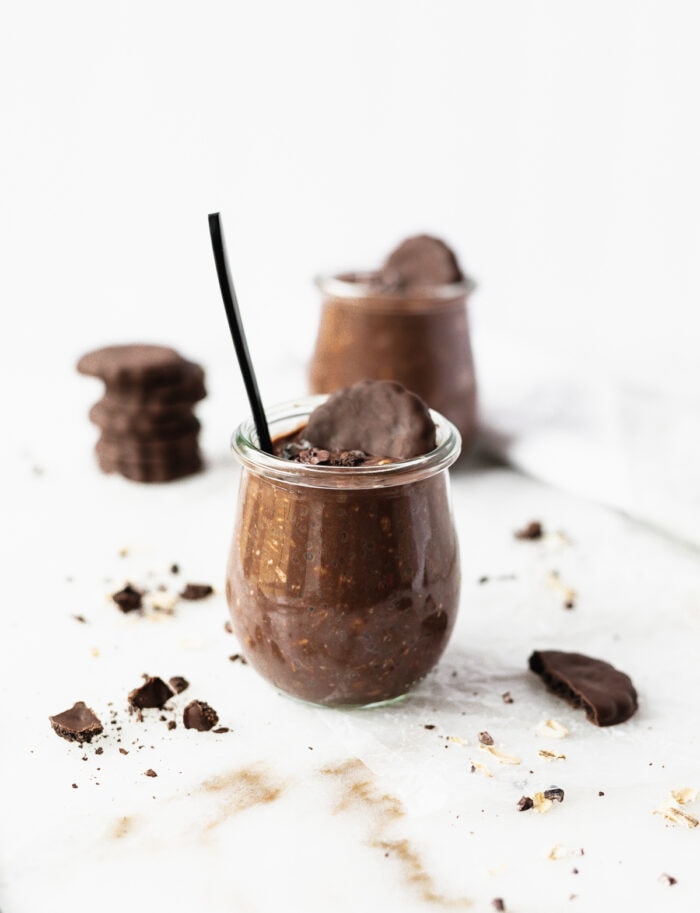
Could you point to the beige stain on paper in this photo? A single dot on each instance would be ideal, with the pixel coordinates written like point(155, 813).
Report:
point(122, 827)
point(240, 790)
point(360, 792)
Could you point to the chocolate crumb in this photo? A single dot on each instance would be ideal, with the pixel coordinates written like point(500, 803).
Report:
point(221, 729)
point(667, 879)
point(497, 904)
point(193, 591)
point(238, 658)
point(74, 785)
point(485, 738)
point(150, 772)
point(81, 618)
point(79, 724)
point(574, 871)
point(99, 750)
point(172, 724)
point(178, 683)
point(153, 693)
point(525, 803)
point(429, 726)
point(533, 530)
point(174, 568)
point(200, 716)
point(129, 599)
point(482, 580)
point(506, 697)
point(123, 751)
point(600, 792)
point(554, 793)
point(227, 627)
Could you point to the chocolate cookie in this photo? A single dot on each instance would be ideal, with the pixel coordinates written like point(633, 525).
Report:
point(420, 262)
point(187, 388)
point(159, 423)
point(146, 449)
point(380, 417)
point(606, 694)
point(155, 471)
point(149, 433)
point(122, 367)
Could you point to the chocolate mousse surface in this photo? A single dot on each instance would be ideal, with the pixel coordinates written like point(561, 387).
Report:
point(606, 694)
point(378, 417)
point(421, 261)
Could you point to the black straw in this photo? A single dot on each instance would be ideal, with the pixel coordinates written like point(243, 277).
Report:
point(228, 294)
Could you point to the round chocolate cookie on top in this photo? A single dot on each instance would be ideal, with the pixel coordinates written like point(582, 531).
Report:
point(380, 417)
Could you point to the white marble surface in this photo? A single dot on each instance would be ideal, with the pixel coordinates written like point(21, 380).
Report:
point(298, 808)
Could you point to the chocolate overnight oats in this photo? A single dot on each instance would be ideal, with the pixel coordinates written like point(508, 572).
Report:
point(406, 321)
point(343, 576)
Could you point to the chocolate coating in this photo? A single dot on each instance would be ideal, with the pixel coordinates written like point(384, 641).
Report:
point(153, 693)
point(124, 366)
point(163, 422)
point(379, 417)
point(79, 724)
point(420, 262)
point(606, 694)
point(199, 715)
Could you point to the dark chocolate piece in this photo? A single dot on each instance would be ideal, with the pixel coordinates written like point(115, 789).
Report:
point(194, 591)
point(379, 417)
point(498, 904)
point(178, 684)
point(420, 262)
point(606, 694)
point(128, 599)
point(485, 738)
point(525, 803)
point(150, 772)
point(200, 716)
point(533, 530)
point(79, 724)
point(153, 693)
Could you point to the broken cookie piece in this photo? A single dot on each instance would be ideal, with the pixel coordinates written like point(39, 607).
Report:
point(200, 716)
point(79, 724)
point(153, 693)
point(607, 695)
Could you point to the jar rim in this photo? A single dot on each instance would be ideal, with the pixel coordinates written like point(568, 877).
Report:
point(294, 413)
point(353, 284)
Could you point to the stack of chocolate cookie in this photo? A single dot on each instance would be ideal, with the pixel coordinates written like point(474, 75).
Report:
point(149, 432)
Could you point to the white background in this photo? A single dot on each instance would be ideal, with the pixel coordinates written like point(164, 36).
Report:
point(554, 144)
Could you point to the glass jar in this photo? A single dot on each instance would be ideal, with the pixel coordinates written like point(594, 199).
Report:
point(419, 338)
point(342, 582)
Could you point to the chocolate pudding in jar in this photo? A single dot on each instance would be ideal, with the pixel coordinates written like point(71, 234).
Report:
point(343, 576)
point(406, 321)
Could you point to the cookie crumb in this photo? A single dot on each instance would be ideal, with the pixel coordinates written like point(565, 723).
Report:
point(532, 531)
point(195, 591)
point(129, 599)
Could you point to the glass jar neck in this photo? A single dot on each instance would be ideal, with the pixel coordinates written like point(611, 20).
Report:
point(288, 417)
